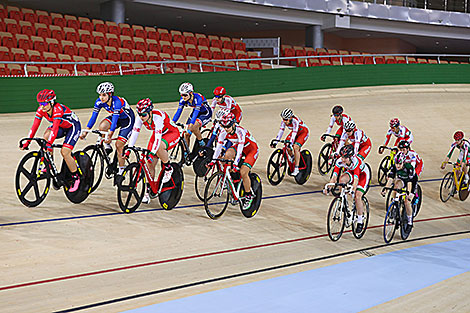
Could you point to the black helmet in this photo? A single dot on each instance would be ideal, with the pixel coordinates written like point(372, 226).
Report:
point(404, 144)
point(347, 151)
point(337, 110)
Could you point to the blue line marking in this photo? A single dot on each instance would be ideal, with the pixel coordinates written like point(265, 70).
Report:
point(347, 287)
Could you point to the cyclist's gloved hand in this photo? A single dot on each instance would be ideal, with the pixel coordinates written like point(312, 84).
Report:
point(189, 131)
point(49, 147)
point(150, 157)
point(127, 154)
point(210, 164)
point(273, 144)
point(235, 168)
point(25, 145)
point(383, 192)
point(323, 137)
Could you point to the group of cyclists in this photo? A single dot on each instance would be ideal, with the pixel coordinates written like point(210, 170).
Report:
point(233, 142)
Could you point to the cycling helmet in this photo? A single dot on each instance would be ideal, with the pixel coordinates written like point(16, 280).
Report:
point(337, 110)
point(400, 158)
point(186, 88)
point(404, 144)
point(394, 122)
point(287, 113)
point(227, 120)
point(219, 91)
point(347, 151)
point(105, 87)
point(221, 113)
point(349, 125)
point(144, 105)
point(458, 135)
point(45, 96)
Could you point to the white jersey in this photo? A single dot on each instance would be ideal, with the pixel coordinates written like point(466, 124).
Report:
point(295, 126)
point(240, 139)
point(357, 139)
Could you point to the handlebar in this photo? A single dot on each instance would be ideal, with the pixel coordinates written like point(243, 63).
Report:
point(401, 191)
point(389, 148)
point(40, 141)
point(136, 150)
point(224, 161)
point(339, 184)
point(286, 142)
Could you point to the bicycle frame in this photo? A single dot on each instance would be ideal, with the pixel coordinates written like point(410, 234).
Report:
point(457, 181)
point(285, 154)
point(228, 180)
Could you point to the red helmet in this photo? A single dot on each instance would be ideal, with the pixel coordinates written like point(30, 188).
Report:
point(347, 151)
point(394, 122)
point(458, 135)
point(219, 91)
point(400, 158)
point(46, 95)
point(228, 120)
point(144, 105)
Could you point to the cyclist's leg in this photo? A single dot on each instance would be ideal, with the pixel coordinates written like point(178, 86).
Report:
point(364, 179)
point(47, 133)
point(125, 131)
point(301, 138)
point(251, 153)
point(364, 149)
point(151, 165)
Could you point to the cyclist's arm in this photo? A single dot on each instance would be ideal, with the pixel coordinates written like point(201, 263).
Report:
point(196, 111)
point(94, 115)
point(387, 137)
point(56, 117)
point(357, 137)
point(295, 130)
point(157, 133)
point(213, 104)
point(342, 141)
point(451, 151)
point(241, 144)
point(281, 131)
point(330, 127)
point(116, 113)
point(135, 132)
point(36, 123)
point(213, 135)
point(178, 112)
point(410, 137)
point(220, 143)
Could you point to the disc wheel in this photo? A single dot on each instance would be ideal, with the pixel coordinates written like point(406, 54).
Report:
point(97, 163)
point(306, 165)
point(391, 222)
point(130, 190)
point(170, 198)
point(404, 224)
point(370, 179)
point(365, 220)
point(419, 194)
point(463, 191)
point(256, 186)
point(216, 196)
point(32, 179)
point(277, 166)
point(384, 167)
point(86, 177)
point(447, 187)
point(336, 219)
point(325, 159)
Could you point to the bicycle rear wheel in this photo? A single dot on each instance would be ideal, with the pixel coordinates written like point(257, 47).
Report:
point(447, 187)
point(306, 167)
point(277, 165)
point(33, 175)
point(130, 190)
point(419, 194)
point(177, 153)
point(384, 167)
point(404, 224)
point(216, 195)
point(336, 219)
point(325, 160)
point(463, 191)
point(365, 220)
point(97, 163)
point(391, 222)
point(170, 198)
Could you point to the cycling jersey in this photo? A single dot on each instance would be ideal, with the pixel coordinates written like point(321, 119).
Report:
point(62, 118)
point(344, 118)
point(242, 141)
point(464, 151)
point(357, 170)
point(163, 130)
point(299, 131)
point(229, 104)
point(402, 134)
point(406, 174)
point(413, 158)
point(120, 110)
point(359, 139)
point(201, 109)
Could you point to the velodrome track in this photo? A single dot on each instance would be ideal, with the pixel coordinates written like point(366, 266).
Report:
point(90, 257)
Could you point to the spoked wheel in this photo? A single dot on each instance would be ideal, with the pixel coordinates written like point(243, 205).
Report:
point(32, 179)
point(416, 207)
point(216, 195)
point(336, 219)
point(365, 220)
point(384, 167)
point(404, 224)
point(130, 190)
point(86, 177)
point(370, 179)
point(177, 153)
point(447, 187)
point(391, 222)
point(389, 197)
point(463, 191)
point(200, 186)
point(97, 163)
point(258, 191)
point(172, 190)
point(305, 166)
point(277, 166)
point(325, 159)
point(206, 134)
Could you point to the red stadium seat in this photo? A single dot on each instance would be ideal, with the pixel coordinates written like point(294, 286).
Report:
point(72, 21)
point(99, 38)
point(152, 56)
point(68, 47)
point(183, 66)
point(113, 40)
point(57, 32)
point(153, 69)
point(239, 44)
point(58, 20)
point(215, 41)
point(14, 13)
point(24, 42)
point(85, 24)
point(99, 26)
point(126, 41)
point(190, 38)
point(139, 31)
point(254, 66)
point(50, 57)
point(113, 68)
point(66, 58)
point(97, 68)
point(126, 30)
point(112, 53)
point(166, 47)
point(216, 53)
point(228, 54)
point(287, 51)
point(202, 40)
point(227, 43)
point(178, 48)
point(3, 12)
point(29, 16)
point(334, 52)
point(3, 27)
point(204, 52)
point(12, 26)
point(390, 60)
point(325, 61)
point(125, 54)
point(313, 62)
point(27, 28)
point(299, 51)
point(379, 60)
point(412, 60)
point(400, 60)
point(240, 54)
point(420, 61)
point(5, 54)
point(44, 17)
point(191, 50)
point(15, 69)
point(151, 33)
point(254, 55)
point(83, 49)
point(4, 70)
point(32, 70)
point(163, 34)
point(71, 34)
point(47, 71)
point(7, 40)
point(81, 67)
point(310, 51)
point(19, 54)
point(42, 30)
point(139, 43)
point(152, 45)
point(194, 66)
point(177, 36)
point(112, 28)
point(34, 56)
point(138, 55)
point(85, 36)
point(97, 51)
point(53, 45)
point(357, 58)
point(62, 71)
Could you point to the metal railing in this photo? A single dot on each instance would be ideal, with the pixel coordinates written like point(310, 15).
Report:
point(443, 5)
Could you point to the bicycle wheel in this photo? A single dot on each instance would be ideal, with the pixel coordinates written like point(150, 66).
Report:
point(336, 219)
point(384, 167)
point(306, 167)
point(370, 179)
point(404, 223)
point(325, 160)
point(33, 175)
point(463, 191)
point(447, 187)
point(97, 163)
point(86, 177)
point(277, 166)
point(258, 191)
point(416, 207)
point(177, 153)
point(387, 202)
point(172, 190)
point(130, 190)
point(365, 220)
point(391, 222)
point(216, 195)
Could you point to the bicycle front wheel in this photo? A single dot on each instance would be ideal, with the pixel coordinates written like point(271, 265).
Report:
point(277, 165)
point(384, 167)
point(130, 190)
point(97, 163)
point(391, 222)
point(325, 160)
point(177, 153)
point(447, 187)
point(216, 195)
point(33, 179)
point(336, 219)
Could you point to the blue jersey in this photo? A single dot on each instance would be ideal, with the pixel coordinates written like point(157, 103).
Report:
point(200, 105)
point(119, 108)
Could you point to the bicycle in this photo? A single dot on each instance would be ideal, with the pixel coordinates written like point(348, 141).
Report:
point(417, 200)
point(326, 157)
point(385, 165)
point(280, 161)
point(99, 157)
point(39, 169)
point(340, 216)
point(224, 187)
point(451, 183)
point(394, 218)
point(181, 153)
point(135, 177)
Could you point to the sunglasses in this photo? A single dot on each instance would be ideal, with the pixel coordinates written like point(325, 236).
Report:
point(143, 114)
point(44, 103)
point(219, 96)
point(336, 115)
point(185, 95)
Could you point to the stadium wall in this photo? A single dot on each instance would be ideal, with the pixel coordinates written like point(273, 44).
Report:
point(19, 94)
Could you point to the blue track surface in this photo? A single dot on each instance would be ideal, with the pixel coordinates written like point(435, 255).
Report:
point(347, 287)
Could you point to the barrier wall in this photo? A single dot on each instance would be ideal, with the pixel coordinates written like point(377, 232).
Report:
point(19, 94)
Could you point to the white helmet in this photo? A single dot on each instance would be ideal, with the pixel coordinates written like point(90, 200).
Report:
point(186, 88)
point(287, 113)
point(105, 87)
point(349, 125)
point(221, 113)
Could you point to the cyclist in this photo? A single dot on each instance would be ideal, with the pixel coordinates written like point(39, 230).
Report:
point(464, 156)
point(164, 137)
point(298, 136)
point(400, 131)
point(200, 115)
point(243, 143)
point(226, 102)
point(122, 116)
point(356, 173)
point(340, 119)
point(358, 138)
point(65, 123)
point(411, 156)
point(403, 175)
point(217, 127)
